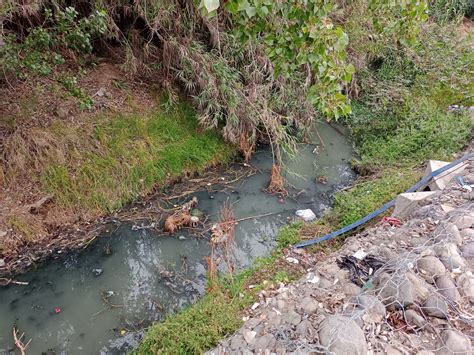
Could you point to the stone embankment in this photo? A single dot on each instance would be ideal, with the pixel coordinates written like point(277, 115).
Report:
point(405, 286)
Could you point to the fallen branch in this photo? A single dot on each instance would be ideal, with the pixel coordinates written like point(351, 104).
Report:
point(18, 341)
point(4, 282)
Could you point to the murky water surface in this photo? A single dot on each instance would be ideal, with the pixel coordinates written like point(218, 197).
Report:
point(94, 301)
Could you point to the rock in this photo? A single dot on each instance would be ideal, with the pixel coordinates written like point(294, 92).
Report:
point(454, 342)
point(341, 335)
point(422, 289)
point(237, 343)
point(266, 341)
point(395, 291)
point(309, 305)
point(435, 307)
point(446, 287)
point(306, 215)
point(325, 283)
point(373, 309)
point(449, 255)
point(390, 350)
point(351, 289)
point(466, 286)
point(413, 318)
point(464, 222)
point(291, 317)
point(3, 234)
point(429, 267)
point(62, 112)
point(249, 336)
point(273, 319)
point(2, 262)
point(467, 250)
point(448, 232)
point(305, 329)
point(467, 233)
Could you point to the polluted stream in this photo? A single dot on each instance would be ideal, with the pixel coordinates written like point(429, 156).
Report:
point(98, 300)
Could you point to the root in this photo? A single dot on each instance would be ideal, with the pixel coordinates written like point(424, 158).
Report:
point(180, 218)
point(18, 341)
point(277, 182)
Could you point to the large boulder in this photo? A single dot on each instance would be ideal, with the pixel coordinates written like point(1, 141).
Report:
point(341, 335)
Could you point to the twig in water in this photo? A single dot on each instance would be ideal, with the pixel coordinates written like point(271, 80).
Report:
point(5, 282)
point(18, 340)
point(320, 138)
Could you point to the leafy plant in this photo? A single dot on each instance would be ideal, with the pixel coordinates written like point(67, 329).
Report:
point(40, 51)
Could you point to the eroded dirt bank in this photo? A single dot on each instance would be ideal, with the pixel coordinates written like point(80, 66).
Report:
point(65, 171)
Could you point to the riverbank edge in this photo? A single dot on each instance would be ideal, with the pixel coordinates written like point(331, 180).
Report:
point(73, 237)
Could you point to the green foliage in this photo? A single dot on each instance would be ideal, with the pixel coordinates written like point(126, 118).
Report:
point(403, 116)
point(126, 156)
point(446, 10)
point(355, 203)
point(300, 35)
point(70, 84)
point(289, 235)
point(40, 51)
point(195, 329)
point(401, 19)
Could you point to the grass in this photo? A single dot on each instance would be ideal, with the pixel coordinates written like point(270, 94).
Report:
point(21, 226)
point(124, 157)
point(195, 329)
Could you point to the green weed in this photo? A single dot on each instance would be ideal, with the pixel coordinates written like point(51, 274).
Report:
point(196, 328)
point(125, 156)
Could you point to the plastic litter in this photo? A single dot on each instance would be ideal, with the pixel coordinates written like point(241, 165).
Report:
point(97, 272)
point(360, 254)
point(306, 215)
point(57, 310)
point(463, 184)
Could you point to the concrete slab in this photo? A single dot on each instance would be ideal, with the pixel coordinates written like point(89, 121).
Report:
point(441, 181)
point(408, 202)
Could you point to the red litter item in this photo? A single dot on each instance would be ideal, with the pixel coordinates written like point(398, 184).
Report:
point(57, 310)
point(394, 222)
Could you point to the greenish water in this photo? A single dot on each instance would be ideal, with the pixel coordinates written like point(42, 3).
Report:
point(68, 309)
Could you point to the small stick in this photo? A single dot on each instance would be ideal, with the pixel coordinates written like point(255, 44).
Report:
point(6, 282)
point(320, 138)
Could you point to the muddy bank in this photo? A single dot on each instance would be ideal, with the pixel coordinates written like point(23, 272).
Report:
point(151, 209)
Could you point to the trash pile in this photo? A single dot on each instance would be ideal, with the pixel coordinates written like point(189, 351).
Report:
point(405, 286)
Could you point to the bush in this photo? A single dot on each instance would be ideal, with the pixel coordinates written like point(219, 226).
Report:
point(445, 10)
